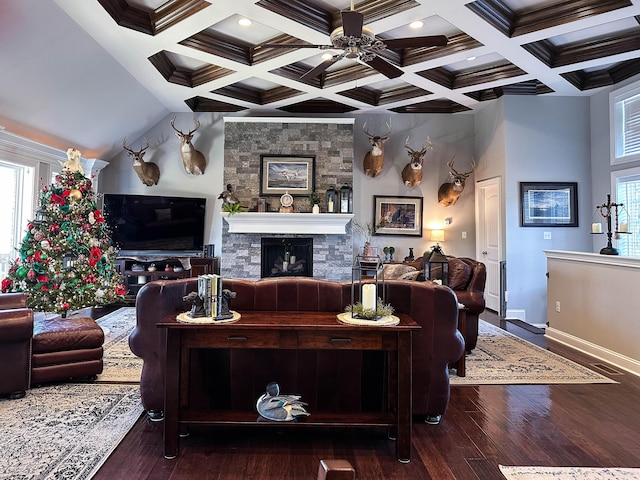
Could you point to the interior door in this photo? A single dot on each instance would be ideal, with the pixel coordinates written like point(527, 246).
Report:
point(489, 236)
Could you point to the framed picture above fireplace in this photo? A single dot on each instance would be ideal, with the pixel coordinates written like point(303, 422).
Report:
point(293, 174)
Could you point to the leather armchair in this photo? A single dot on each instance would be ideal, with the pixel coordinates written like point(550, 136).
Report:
point(16, 332)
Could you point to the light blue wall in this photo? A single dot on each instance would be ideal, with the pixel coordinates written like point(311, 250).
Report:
point(546, 140)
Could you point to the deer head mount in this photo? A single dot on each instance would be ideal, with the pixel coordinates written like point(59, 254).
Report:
point(412, 172)
point(374, 159)
point(449, 192)
point(193, 160)
point(148, 172)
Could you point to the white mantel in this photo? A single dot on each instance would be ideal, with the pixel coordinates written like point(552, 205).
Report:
point(294, 223)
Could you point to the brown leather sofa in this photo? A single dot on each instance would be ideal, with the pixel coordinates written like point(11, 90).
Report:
point(16, 331)
point(467, 278)
point(310, 373)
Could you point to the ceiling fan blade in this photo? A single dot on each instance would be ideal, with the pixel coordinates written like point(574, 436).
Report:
point(352, 23)
point(384, 67)
point(293, 45)
point(316, 71)
point(416, 42)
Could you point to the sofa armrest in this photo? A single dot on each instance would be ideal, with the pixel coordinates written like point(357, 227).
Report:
point(16, 325)
point(13, 300)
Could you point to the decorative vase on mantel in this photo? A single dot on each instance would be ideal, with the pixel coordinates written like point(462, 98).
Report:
point(315, 208)
point(369, 251)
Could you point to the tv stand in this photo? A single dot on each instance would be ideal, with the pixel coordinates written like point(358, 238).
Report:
point(135, 270)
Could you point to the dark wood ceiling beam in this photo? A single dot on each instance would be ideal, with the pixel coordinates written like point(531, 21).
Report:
point(302, 12)
point(433, 106)
point(175, 11)
point(295, 71)
point(278, 93)
point(564, 12)
point(202, 104)
point(221, 45)
point(186, 77)
point(149, 21)
point(457, 43)
point(557, 56)
point(583, 80)
point(374, 10)
point(363, 94)
point(495, 13)
point(513, 24)
point(261, 54)
point(318, 106)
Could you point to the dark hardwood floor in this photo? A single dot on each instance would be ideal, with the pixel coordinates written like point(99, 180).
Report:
point(594, 425)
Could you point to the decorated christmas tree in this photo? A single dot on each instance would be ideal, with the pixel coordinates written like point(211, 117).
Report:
point(66, 260)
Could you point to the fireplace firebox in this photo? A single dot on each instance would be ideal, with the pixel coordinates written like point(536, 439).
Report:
point(286, 257)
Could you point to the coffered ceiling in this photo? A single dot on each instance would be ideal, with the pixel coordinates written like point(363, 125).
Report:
point(193, 55)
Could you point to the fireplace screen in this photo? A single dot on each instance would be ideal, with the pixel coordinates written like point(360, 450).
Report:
point(286, 256)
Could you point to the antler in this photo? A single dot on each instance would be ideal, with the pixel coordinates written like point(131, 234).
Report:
point(423, 150)
point(131, 151)
point(364, 127)
point(197, 125)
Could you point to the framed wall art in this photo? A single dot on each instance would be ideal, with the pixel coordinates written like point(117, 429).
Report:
point(548, 204)
point(280, 174)
point(397, 215)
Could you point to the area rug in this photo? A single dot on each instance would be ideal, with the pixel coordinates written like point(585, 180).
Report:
point(569, 473)
point(64, 431)
point(120, 364)
point(501, 358)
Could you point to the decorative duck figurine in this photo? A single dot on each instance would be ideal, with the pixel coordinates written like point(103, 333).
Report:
point(281, 408)
point(228, 196)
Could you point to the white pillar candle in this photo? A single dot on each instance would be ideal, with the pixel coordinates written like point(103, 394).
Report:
point(285, 266)
point(369, 296)
point(596, 228)
point(330, 206)
point(292, 259)
point(624, 227)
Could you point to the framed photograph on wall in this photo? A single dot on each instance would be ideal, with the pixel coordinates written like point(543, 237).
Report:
point(280, 174)
point(397, 215)
point(548, 204)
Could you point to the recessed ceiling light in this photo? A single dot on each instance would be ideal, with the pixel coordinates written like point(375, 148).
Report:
point(416, 24)
point(245, 22)
point(470, 58)
point(327, 56)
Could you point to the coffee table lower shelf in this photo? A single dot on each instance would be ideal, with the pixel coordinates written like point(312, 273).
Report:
point(247, 418)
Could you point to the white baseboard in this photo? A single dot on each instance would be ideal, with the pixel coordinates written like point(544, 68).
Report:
point(622, 361)
point(520, 314)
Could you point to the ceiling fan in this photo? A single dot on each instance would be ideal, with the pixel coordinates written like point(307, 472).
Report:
point(360, 43)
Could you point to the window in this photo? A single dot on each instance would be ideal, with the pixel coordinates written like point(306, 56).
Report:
point(626, 185)
point(625, 115)
point(16, 198)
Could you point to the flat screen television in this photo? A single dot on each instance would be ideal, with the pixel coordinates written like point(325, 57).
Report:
point(144, 225)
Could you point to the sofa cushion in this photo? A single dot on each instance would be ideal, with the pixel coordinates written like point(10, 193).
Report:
point(459, 274)
point(393, 271)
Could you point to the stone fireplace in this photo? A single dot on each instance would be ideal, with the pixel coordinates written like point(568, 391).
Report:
point(330, 142)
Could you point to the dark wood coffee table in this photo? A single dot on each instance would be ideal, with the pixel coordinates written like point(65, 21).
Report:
point(288, 330)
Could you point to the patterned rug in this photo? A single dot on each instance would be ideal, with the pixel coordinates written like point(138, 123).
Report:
point(569, 473)
point(503, 358)
point(64, 431)
point(120, 364)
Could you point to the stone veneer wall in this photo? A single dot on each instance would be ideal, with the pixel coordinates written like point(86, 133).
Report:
point(245, 141)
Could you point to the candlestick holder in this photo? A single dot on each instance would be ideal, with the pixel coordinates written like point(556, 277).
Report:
point(609, 211)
